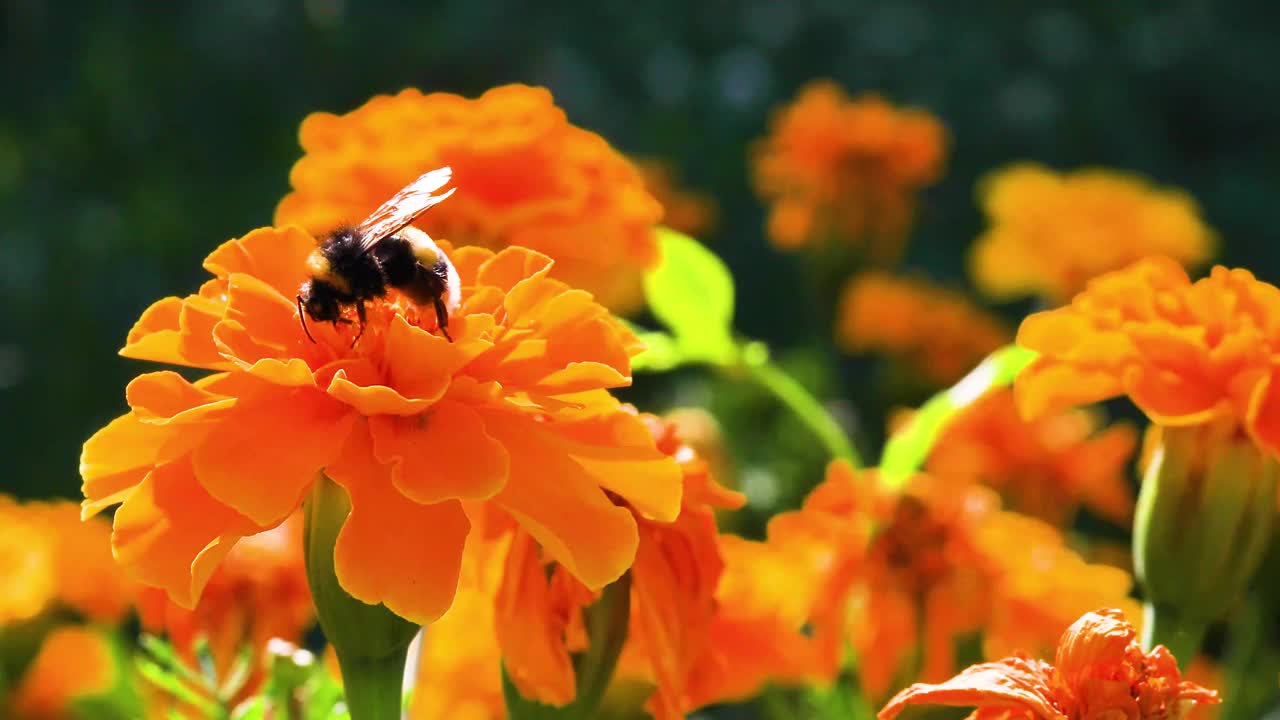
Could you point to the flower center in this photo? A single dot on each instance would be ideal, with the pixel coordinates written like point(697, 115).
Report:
point(913, 546)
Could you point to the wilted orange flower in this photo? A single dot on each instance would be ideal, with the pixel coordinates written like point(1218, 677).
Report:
point(847, 170)
point(73, 662)
point(1050, 232)
point(921, 568)
point(939, 333)
point(1186, 353)
point(536, 609)
point(692, 213)
point(259, 592)
point(514, 411)
point(532, 179)
point(58, 560)
point(1046, 467)
point(1099, 672)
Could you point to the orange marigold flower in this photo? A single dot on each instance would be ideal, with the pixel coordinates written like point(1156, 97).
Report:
point(1046, 467)
point(692, 213)
point(1052, 232)
point(532, 179)
point(73, 662)
point(1184, 352)
point(939, 333)
point(258, 593)
point(841, 169)
point(914, 571)
point(1100, 671)
point(59, 560)
point(514, 413)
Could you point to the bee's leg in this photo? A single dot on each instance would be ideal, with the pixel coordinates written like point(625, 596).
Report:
point(302, 317)
point(364, 320)
point(442, 316)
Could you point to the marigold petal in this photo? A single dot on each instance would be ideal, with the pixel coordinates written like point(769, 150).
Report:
point(171, 533)
point(277, 256)
point(1012, 683)
point(115, 459)
point(162, 398)
point(531, 628)
point(425, 363)
point(561, 503)
point(370, 400)
point(1172, 399)
point(261, 458)
point(156, 336)
point(1046, 386)
point(442, 454)
point(261, 323)
point(392, 550)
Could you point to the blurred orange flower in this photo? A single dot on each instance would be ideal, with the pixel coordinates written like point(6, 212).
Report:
point(27, 563)
point(515, 411)
point(913, 572)
point(938, 333)
point(58, 560)
point(259, 592)
point(536, 609)
point(1100, 671)
point(1051, 232)
point(531, 179)
point(73, 662)
point(1046, 467)
point(692, 213)
point(840, 169)
point(1186, 353)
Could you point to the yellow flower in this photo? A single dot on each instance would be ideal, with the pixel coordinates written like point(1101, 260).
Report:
point(531, 179)
point(848, 170)
point(1051, 232)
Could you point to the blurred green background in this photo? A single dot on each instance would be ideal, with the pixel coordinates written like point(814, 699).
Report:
point(136, 136)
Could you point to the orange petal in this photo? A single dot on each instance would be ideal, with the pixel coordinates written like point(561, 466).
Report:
point(392, 550)
point(260, 323)
point(561, 503)
point(442, 454)
point(531, 631)
point(163, 398)
point(1012, 683)
point(156, 336)
point(116, 459)
point(277, 256)
point(1170, 398)
point(262, 457)
point(1047, 386)
point(1263, 414)
point(423, 364)
point(510, 266)
point(1097, 638)
point(171, 534)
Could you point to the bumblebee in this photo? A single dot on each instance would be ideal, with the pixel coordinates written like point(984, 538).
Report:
point(353, 265)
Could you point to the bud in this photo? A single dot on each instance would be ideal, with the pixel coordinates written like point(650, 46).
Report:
point(370, 641)
point(1203, 523)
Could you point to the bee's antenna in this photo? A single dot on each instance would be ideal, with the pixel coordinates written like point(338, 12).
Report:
point(302, 316)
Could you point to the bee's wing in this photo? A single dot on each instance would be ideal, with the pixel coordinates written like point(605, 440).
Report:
point(404, 207)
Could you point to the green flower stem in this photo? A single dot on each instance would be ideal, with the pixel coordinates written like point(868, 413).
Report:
point(370, 641)
point(373, 686)
point(1165, 626)
point(755, 362)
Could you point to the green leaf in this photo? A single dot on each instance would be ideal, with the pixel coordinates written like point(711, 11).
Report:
point(907, 450)
point(691, 292)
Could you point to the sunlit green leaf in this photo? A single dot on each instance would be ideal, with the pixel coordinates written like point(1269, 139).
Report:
point(907, 450)
point(691, 292)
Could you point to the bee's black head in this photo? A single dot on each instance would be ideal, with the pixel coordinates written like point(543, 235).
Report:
point(320, 301)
